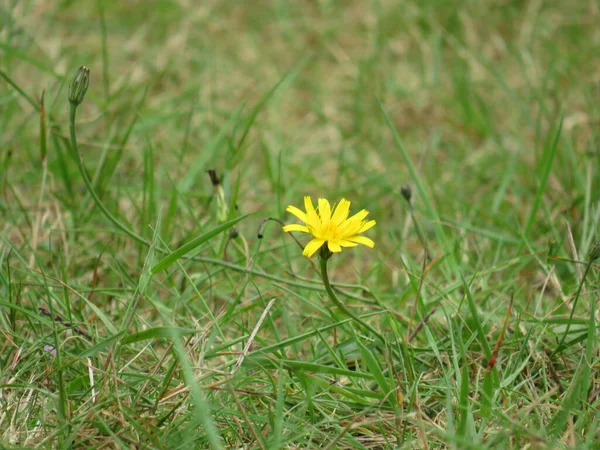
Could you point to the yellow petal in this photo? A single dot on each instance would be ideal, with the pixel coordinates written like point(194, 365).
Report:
point(334, 246)
point(351, 226)
point(348, 229)
point(297, 212)
point(341, 212)
point(312, 247)
point(324, 210)
point(295, 227)
point(346, 243)
point(366, 225)
point(362, 240)
point(359, 216)
point(312, 218)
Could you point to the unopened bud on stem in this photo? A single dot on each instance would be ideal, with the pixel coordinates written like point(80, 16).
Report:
point(214, 178)
point(79, 85)
point(406, 192)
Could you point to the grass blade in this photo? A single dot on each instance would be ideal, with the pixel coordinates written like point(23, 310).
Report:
point(158, 332)
point(183, 250)
point(547, 162)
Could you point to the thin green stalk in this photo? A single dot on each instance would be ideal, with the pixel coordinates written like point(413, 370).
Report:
point(88, 184)
point(420, 234)
point(323, 262)
point(406, 192)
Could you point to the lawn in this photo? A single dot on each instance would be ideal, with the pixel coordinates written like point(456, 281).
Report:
point(146, 302)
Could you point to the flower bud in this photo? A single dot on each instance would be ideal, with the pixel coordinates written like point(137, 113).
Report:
point(222, 207)
point(214, 178)
point(79, 85)
point(595, 251)
point(406, 192)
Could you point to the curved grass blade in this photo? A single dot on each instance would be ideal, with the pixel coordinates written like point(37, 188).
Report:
point(101, 345)
point(174, 256)
point(158, 332)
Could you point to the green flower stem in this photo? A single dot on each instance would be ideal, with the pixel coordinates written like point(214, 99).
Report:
point(88, 183)
point(339, 304)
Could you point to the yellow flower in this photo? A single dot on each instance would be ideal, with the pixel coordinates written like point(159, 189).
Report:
point(337, 230)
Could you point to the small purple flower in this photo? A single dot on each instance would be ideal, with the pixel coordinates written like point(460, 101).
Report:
point(49, 348)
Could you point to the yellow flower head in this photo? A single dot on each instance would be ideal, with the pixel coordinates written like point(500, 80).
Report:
point(337, 230)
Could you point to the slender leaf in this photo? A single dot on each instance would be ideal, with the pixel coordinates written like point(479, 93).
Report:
point(174, 256)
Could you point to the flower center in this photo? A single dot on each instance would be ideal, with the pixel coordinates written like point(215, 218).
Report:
point(329, 231)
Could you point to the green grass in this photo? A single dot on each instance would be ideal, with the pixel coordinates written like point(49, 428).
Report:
point(487, 110)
